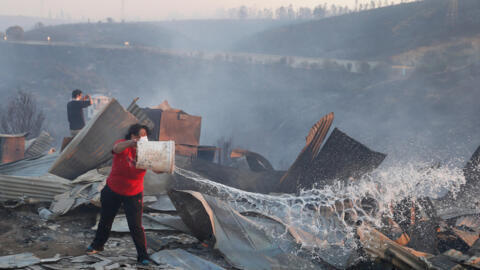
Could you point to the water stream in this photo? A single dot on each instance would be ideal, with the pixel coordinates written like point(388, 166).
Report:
point(331, 213)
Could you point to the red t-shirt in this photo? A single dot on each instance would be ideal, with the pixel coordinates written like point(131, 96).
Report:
point(124, 178)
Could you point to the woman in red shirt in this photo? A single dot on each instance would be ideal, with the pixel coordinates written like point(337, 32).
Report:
point(124, 186)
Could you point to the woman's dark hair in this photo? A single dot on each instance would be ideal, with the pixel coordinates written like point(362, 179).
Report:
point(76, 93)
point(135, 130)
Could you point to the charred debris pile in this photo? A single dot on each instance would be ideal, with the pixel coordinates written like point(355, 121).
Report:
point(243, 216)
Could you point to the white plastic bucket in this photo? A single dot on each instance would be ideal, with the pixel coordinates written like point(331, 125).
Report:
point(156, 156)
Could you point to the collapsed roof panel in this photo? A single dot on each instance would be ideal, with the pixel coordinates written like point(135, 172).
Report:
point(93, 145)
point(314, 139)
point(35, 166)
point(154, 115)
point(341, 158)
point(37, 189)
point(40, 145)
point(242, 240)
point(140, 114)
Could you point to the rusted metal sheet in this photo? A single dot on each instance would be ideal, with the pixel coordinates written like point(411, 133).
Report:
point(65, 142)
point(12, 147)
point(472, 222)
point(138, 112)
point(40, 145)
point(290, 181)
point(468, 237)
point(340, 158)
point(93, 145)
point(255, 161)
point(378, 245)
point(43, 188)
point(180, 127)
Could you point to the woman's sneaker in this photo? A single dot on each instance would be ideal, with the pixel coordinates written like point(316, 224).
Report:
point(90, 250)
point(145, 262)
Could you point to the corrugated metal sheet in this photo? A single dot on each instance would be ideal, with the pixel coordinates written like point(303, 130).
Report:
point(341, 158)
point(43, 188)
point(29, 167)
point(12, 147)
point(93, 145)
point(180, 127)
point(142, 117)
point(40, 145)
point(314, 140)
point(154, 115)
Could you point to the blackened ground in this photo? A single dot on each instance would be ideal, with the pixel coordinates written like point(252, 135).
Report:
point(22, 230)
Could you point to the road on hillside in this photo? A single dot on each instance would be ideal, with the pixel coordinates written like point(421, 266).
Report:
point(354, 66)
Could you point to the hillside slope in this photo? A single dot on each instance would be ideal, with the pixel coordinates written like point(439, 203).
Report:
point(265, 108)
point(374, 34)
point(183, 34)
point(142, 34)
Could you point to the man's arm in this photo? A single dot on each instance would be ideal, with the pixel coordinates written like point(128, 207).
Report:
point(87, 101)
point(121, 146)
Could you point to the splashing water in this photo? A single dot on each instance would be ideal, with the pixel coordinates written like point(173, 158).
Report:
point(331, 213)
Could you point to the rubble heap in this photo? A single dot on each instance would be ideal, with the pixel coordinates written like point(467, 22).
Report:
point(323, 213)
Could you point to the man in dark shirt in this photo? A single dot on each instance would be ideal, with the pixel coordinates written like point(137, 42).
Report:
point(75, 111)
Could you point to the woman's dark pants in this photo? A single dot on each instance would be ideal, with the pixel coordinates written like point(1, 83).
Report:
point(133, 206)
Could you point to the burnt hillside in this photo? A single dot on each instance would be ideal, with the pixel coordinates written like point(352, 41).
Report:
point(183, 34)
point(142, 34)
point(373, 34)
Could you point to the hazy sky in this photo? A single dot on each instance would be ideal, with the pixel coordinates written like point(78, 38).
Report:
point(144, 9)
